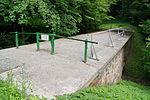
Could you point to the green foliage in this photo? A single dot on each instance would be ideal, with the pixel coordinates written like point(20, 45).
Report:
point(68, 14)
point(35, 13)
point(93, 13)
point(5, 5)
point(52, 15)
point(145, 27)
point(124, 90)
point(146, 30)
point(146, 57)
point(146, 61)
point(6, 40)
point(116, 24)
point(134, 11)
point(56, 16)
point(11, 91)
point(148, 41)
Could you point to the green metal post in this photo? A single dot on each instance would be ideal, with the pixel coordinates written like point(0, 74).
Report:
point(85, 51)
point(52, 43)
point(37, 41)
point(16, 39)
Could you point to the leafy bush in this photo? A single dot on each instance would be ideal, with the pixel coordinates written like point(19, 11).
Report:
point(146, 61)
point(6, 40)
point(54, 16)
point(11, 91)
point(146, 27)
point(146, 30)
point(146, 57)
point(93, 13)
point(117, 24)
point(133, 11)
point(124, 90)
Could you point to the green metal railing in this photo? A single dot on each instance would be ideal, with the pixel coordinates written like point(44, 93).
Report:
point(53, 41)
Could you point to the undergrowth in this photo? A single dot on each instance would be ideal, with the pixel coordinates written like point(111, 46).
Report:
point(117, 24)
point(124, 90)
point(11, 91)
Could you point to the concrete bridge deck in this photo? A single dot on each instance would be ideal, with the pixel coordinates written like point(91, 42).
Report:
point(61, 73)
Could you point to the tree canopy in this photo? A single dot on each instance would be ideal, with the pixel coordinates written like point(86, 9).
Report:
point(65, 17)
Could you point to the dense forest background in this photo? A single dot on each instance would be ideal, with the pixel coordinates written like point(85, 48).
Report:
point(70, 17)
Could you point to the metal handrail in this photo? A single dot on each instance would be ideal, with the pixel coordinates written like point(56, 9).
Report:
point(52, 41)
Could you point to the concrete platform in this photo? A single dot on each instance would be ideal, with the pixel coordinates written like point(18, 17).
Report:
point(61, 73)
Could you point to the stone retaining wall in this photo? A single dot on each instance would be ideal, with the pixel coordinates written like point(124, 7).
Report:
point(113, 69)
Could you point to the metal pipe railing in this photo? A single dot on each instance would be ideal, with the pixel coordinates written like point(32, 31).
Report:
point(77, 39)
point(53, 41)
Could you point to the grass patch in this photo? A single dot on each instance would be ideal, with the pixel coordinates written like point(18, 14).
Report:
point(117, 24)
point(10, 92)
point(124, 90)
point(134, 67)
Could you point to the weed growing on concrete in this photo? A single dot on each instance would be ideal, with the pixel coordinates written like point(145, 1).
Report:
point(11, 91)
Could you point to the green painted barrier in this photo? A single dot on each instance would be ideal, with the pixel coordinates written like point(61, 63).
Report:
point(53, 41)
